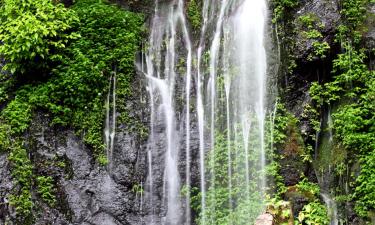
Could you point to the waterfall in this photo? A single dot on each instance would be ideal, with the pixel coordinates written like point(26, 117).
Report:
point(325, 163)
point(215, 86)
point(110, 123)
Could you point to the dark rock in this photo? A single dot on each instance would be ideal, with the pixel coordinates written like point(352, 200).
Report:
point(327, 14)
point(6, 185)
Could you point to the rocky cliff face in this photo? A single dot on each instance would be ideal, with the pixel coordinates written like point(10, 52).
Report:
point(296, 84)
point(86, 192)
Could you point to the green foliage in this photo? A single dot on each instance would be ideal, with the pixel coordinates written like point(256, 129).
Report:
point(308, 21)
point(281, 211)
point(320, 48)
point(273, 170)
point(240, 203)
point(17, 115)
point(277, 136)
point(194, 13)
point(5, 142)
point(22, 173)
point(311, 32)
point(352, 89)
point(354, 12)
point(23, 205)
point(46, 189)
point(308, 187)
point(137, 189)
point(33, 33)
point(314, 213)
point(75, 94)
point(281, 7)
point(311, 113)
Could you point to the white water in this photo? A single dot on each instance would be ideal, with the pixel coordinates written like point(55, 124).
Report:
point(110, 125)
point(332, 208)
point(223, 91)
point(326, 174)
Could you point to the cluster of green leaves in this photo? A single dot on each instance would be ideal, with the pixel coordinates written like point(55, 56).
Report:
point(308, 187)
point(33, 33)
point(282, 20)
point(281, 7)
point(285, 135)
point(15, 119)
point(353, 12)
point(194, 13)
point(46, 189)
point(311, 30)
point(281, 211)
point(277, 132)
point(313, 213)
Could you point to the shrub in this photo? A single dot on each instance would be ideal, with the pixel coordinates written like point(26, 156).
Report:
point(33, 33)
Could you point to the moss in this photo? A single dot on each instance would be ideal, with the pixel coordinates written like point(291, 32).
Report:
point(46, 189)
point(22, 172)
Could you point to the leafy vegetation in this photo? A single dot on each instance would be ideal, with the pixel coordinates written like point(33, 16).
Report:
point(46, 189)
point(22, 173)
point(281, 7)
point(238, 203)
point(42, 37)
point(313, 213)
point(354, 120)
point(34, 33)
point(194, 14)
point(311, 31)
point(308, 187)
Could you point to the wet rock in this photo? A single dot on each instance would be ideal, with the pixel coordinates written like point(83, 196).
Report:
point(369, 36)
point(6, 185)
point(327, 18)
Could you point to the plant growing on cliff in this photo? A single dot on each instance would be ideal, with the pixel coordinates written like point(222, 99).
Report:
point(239, 203)
point(22, 173)
point(46, 189)
point(352, 91)
point(313, 213)
point(74, 93)
point(194, 14)
point(280, 7)
point(308, 187)
point(311, 28)
point(33, 33)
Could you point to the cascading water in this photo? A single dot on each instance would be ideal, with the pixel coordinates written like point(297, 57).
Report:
point(217, 88)
point(110, 125)
point(325, 168)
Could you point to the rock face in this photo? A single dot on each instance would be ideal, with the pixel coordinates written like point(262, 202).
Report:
point(90, 194)
point(6, 186)
point(327, 16)
point(264, 219)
